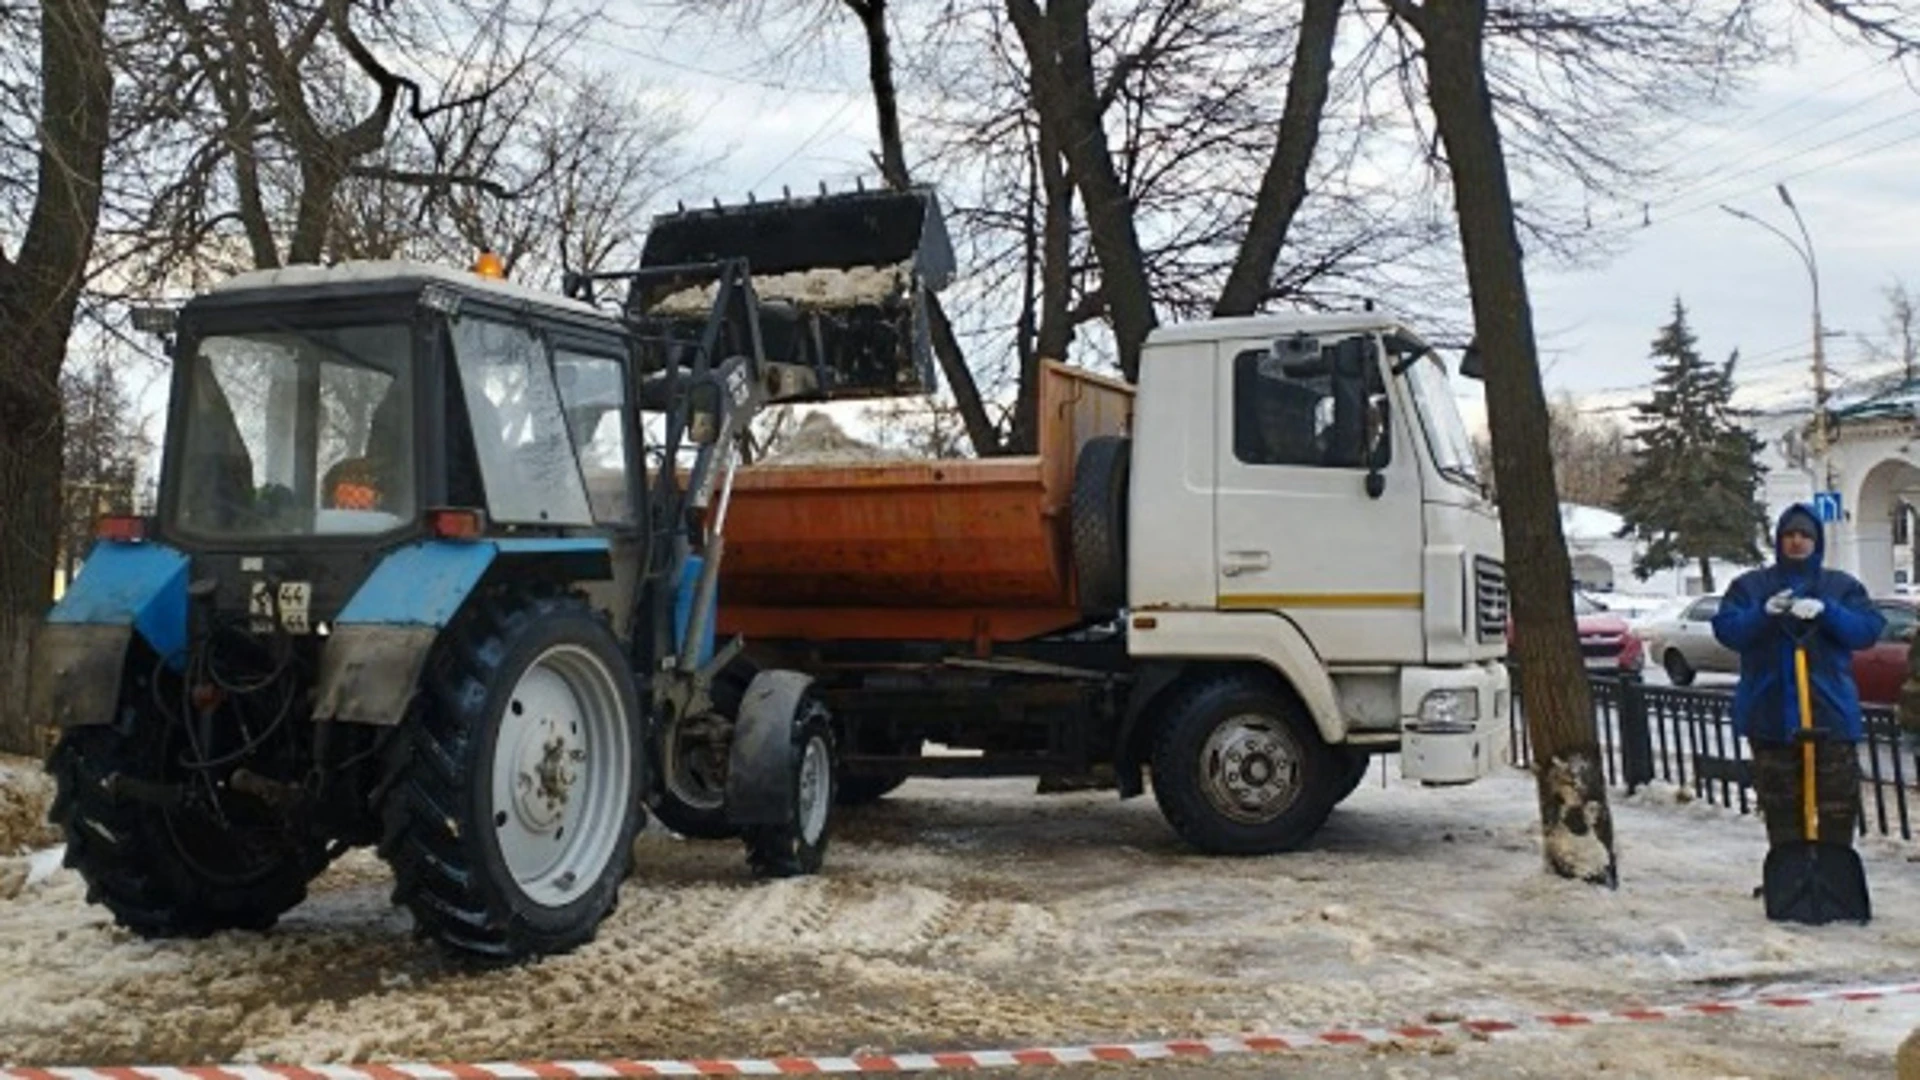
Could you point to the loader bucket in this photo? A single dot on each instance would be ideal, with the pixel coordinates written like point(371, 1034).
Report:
point(842, 281)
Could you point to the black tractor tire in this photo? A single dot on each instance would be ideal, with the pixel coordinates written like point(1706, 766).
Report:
point(1357, 763)
point(1679, 672)
point(798, 846)
point(513, 791)
point(690, 806)
point(1239, 768)
point(1099, 524)
point(171, 872)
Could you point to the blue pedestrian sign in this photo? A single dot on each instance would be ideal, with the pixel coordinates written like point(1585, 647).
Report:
point(1826, 504)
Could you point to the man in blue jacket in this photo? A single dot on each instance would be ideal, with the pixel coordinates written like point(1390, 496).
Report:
point(1764, 613)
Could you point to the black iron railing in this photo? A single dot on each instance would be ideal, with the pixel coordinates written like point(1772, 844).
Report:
point(1685, 737)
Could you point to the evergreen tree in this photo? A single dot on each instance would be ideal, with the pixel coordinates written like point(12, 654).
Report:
point(1693, 493)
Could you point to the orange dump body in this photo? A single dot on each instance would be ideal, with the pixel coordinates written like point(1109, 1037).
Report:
point(959, 550)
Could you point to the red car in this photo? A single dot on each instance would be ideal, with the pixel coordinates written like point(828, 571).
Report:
point(1880, 668)
point(1607, 644)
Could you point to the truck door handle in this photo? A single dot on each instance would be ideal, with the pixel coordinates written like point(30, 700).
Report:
point(1235, 563)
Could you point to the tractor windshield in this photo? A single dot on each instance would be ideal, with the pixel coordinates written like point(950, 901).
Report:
point(297, 431)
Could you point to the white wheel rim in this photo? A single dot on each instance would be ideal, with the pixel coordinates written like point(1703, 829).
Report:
point(562, 775)
point(1250, 768)
point(816, 790)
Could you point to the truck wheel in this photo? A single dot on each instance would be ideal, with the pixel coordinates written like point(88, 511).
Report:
point(1239, 769)
point(867, 790)
point(512, 798)
point(1356, 763)
point(799, 844)
point(693, 760)
point(186, 870)
point(1100, 524)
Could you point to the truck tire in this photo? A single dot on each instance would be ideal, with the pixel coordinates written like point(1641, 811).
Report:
point(1356, 763)
point(1239, 769)
point(798, 845)
point(1099, 505)
point(512, 796)
point(173, 871)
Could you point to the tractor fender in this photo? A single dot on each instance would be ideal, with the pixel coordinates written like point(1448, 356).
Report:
point(80, 651)
point(380, 642)
point(760, 764)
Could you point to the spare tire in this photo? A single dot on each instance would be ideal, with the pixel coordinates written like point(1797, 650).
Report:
point(1100, 524)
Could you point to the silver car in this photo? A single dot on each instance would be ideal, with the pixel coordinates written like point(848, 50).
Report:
point(1683, 643)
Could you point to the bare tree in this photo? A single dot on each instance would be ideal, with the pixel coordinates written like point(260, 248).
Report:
point(106, 441)
point(40, 287)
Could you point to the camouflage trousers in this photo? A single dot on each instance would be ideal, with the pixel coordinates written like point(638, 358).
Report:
point(1836, 786)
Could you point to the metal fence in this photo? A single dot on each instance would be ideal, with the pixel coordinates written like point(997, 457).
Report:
point(1685, 737)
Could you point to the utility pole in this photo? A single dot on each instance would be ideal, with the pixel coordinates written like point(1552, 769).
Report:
point(1822, 432)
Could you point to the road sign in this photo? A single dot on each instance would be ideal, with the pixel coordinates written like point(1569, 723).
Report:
point(1826, 504)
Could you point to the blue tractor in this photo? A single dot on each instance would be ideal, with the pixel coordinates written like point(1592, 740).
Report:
point(434, 568)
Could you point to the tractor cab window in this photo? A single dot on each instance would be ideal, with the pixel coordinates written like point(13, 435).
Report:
point(520, 431)
point(593, 392)
point(298, 431)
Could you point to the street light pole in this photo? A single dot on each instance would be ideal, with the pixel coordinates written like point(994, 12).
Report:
point(1804, 248)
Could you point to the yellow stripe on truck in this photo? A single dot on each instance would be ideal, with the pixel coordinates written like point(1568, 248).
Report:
point(1340, 601)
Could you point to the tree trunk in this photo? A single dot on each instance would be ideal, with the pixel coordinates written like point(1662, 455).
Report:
point(1284, 187)
point(981, 431)
point(39, 292)
point(1576, 824)
point(1706, 576)
point(1060, 53)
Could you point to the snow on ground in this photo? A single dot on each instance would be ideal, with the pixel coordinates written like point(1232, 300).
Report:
point(972, 914)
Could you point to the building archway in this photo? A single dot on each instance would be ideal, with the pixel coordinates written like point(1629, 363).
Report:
point(1592, 573)
point(1880, 516)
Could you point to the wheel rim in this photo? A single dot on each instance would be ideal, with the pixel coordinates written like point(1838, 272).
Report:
point(815, 789)
point(562, 775)
point(1250, 768)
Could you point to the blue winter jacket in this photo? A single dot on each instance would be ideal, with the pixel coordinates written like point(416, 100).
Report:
point(1766, 707)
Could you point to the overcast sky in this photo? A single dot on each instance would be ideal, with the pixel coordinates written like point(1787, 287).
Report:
point(1839, 126)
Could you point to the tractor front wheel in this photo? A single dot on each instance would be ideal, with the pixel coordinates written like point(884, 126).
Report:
point(512, 800)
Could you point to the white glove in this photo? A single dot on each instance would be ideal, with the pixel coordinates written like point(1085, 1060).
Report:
point(1779, 602)
point(1807, 608)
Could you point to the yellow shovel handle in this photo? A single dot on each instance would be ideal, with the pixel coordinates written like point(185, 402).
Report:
point(1809, 809)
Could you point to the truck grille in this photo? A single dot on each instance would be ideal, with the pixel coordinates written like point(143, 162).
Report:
point(1489, 598)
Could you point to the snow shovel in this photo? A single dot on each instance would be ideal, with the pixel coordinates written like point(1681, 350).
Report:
point(1810, 881)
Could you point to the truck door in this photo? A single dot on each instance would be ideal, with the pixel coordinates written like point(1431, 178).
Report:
point(1302, 425)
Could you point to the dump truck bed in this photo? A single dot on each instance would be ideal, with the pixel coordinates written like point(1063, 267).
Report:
point(952, 550)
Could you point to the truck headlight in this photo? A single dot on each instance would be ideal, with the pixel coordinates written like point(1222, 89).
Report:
point(1444, 712)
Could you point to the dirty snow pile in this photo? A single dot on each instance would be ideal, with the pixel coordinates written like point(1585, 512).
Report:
point(975, 914)
point(819, 440)
point(818, 287)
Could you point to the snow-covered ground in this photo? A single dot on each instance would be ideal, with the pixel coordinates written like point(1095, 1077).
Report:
point(974, 914)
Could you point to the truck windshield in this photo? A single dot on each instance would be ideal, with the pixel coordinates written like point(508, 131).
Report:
point(1446, 432)
point(297, 431)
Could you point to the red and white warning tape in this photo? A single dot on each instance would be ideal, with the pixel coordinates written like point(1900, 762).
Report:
point(972, 1059)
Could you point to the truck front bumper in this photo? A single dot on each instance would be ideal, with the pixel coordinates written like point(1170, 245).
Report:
point(1454, 722)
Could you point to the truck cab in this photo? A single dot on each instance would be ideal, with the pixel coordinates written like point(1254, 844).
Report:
point(1305, 496)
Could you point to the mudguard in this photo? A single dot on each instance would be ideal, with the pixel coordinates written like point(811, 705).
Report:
point(381, 640)
point(760, 765)
point(80, 652)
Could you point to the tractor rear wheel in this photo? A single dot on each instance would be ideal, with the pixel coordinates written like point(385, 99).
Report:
point(212, 860)
point(513, 797)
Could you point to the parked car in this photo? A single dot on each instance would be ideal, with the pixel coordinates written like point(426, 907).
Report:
point(1607, 644)
point(1683, 643)
point(1880, 668)
point(1684, 646)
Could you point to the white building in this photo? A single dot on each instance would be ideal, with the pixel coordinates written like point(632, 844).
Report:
point(1603, 559)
